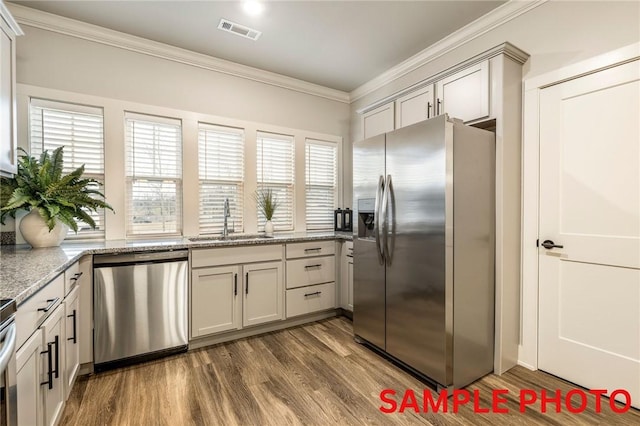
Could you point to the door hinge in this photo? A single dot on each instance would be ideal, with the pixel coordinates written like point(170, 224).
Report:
point(538, 243)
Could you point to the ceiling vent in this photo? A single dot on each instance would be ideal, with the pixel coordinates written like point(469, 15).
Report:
point(238, 29)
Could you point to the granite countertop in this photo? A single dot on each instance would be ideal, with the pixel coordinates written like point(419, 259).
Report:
point(24, 270)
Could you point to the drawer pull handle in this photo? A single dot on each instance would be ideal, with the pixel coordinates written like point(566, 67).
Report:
point(350, 255)
point(313, 249)
point(76, 276)
point(52, 302)
point(317, 265)
point(317, 293)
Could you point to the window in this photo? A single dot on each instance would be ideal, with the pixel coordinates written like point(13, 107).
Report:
point(321, 163)
point(276, 172)
point(154, 175)
point(80, 129)
point(221, 170)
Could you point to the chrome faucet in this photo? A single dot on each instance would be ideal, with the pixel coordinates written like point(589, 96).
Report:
point(227, 213)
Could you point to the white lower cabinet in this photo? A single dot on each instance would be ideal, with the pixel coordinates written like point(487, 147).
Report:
point(215, 303)
point(53, 333)
point(304, 300)
point(230, 297)
point(40, 373)
point(346, 276)
point(71, 342)
point(263, 293)
point(48, 358)
point(29, 376)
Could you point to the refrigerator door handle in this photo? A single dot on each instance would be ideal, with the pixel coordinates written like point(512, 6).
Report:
point(376, 219)
point(385, 218)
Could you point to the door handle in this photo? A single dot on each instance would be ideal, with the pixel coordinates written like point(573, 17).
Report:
point(428, 109)
point(246, 287)
point(376, 219)
point(235, 284)
point(75, 337)
point(438, 103)
point(49, 353)
point(548, 244)
point(56, 342)
point(385, 218)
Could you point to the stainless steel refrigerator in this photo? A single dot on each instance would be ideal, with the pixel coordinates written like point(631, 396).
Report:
point(424, 248)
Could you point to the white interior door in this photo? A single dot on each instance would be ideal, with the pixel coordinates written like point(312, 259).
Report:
point(589, 318)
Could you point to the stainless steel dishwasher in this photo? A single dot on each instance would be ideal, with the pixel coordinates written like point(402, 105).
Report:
point(140, 306)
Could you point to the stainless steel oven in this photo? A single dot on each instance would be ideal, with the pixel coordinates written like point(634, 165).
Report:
point(8, 402)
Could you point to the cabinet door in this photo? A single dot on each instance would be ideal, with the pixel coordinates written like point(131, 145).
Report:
point(263, 293)
point(465, 94)
point(72, 342)
point(85, 303)
point(53, 330)
point(7, 100)
point(29, 378)
point(346, 290)
point(215, 300)
point(378, 121)
point(414, 107)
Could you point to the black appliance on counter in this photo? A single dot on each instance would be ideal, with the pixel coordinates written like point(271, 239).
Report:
point(343, 220)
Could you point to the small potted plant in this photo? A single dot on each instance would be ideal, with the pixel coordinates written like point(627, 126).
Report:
point(54, 200)
point(267, 203)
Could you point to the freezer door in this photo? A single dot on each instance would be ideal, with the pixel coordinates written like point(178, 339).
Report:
point(368, 264)
point(415, 240)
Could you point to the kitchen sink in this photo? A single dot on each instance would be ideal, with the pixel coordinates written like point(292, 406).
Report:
point(231, 237)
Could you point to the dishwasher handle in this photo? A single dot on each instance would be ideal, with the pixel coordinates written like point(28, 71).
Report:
point(136, 258)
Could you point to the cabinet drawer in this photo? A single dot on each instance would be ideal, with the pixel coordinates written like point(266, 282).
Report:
point(314, 298)
point(71, 276)
point(28, 317)
point(315, 270)
point(235, 255)
point(311, 248)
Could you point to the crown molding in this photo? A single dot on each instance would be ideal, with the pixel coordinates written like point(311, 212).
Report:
point(9, 19)
point(507, 49)
point(482, 25)
point(71, 27)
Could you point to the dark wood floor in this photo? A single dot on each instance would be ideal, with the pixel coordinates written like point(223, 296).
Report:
point(308, 375)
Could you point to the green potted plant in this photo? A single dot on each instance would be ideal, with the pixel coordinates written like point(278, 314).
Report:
point(267, 203)
point(55, 200)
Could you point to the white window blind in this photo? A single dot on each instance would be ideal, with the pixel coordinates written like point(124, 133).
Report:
point(221, 170)
point(80, 130)
point(154, 175)
point(321, 163)
point(275, 171)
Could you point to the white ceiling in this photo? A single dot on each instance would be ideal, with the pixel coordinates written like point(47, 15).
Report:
point(337, 44)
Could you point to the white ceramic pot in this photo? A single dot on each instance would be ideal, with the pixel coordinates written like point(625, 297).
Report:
point(36, 232)
point(268, 229)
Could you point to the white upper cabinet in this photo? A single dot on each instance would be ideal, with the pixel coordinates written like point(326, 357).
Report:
point(378, 121)
point(465, 94)
point(414, 107)
point(8, 32)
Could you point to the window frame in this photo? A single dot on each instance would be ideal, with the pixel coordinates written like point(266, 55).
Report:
point(238, 216)
point(68, 107)
point(131, 177)
point(336, 182)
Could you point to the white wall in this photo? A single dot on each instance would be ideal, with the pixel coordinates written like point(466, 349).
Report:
point(67, 63)
point(555, 34)
point(71, 69)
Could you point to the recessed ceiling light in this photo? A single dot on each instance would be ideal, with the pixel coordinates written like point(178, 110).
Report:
point(253, 7)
